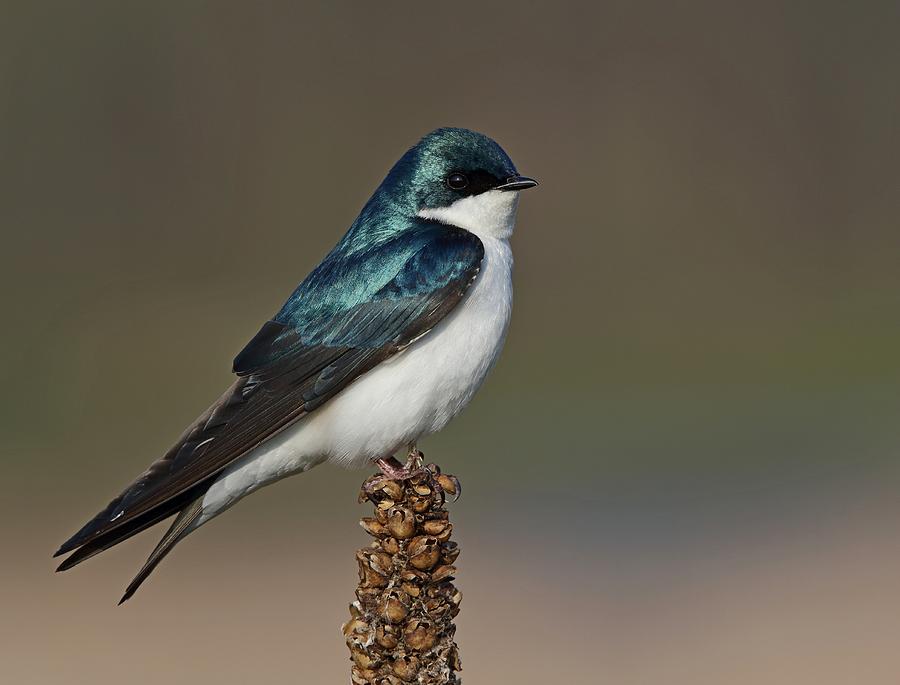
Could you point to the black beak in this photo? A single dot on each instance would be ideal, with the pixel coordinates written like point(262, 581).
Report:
point(517, 183)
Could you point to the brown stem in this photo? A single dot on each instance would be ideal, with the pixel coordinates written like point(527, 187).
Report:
point(401, 625)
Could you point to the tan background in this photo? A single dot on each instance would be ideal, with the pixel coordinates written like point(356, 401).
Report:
point(684, 469)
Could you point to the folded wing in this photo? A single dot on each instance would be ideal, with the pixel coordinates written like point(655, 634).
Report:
point(354, 311)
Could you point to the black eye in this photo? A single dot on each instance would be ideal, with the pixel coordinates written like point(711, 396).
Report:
point(457, 181)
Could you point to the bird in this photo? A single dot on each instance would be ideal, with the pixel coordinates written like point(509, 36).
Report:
point(381, 345)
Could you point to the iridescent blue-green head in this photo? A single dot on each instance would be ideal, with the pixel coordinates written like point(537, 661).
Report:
point(452, 163)
point(453, 175)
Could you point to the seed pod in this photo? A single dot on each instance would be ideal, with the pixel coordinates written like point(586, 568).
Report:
point(362, 676)
point(453, 659)
point(421, 489)
point(449, 552)
point(392, 489)
point(411, 575)
point(354, 626)
point(424, 552)
point(450, 485)
point(437, 609)
point(406, 667)
point(436, 527)
point(388, 680)
point(390, 545)
point(381, 516)
point(385, 504)
point(380, 562)
point(364, 659)
point(442, 573)
point(372, 526)
point(368, 595)
point(370, 579)
point(393, 607)
point(419, 635)
point(418, 503)
point(401, 523)
point(410, 589)
point(386, 636)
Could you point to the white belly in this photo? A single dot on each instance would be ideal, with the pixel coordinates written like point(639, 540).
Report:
point(403, 399)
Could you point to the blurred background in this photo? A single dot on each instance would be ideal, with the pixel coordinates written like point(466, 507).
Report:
point(683, 469)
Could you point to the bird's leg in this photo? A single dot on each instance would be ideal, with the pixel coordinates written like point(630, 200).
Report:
point(392, 469)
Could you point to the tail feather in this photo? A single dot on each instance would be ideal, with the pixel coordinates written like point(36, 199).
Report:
point(104, 542)
point(178, 530)
point(133, 527)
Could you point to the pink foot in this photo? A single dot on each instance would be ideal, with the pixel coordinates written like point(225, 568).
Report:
point(391, 469)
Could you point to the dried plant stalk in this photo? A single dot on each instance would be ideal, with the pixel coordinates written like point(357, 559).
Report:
point(401, 624)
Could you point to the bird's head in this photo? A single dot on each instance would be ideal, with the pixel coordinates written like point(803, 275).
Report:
point(459, 177)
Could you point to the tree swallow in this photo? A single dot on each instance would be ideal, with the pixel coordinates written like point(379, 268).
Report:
point(382, 344)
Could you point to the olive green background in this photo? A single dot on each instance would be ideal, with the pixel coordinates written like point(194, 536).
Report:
point(684, 467)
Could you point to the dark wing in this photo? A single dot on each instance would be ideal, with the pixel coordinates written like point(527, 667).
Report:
point(349, 315)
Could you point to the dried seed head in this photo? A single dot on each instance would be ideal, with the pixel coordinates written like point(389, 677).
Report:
point(401, 628)
point(401, 523)
point(424, 552)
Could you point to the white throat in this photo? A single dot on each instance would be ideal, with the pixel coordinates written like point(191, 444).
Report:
point(491, 214)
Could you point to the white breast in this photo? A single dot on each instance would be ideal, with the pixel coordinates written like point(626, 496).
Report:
point(417, 392)
point(412, 394)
